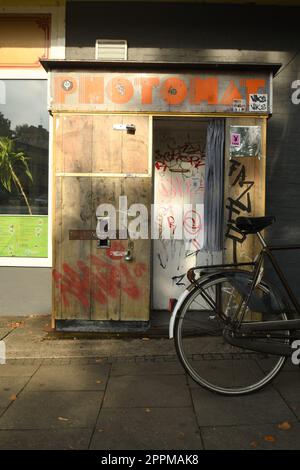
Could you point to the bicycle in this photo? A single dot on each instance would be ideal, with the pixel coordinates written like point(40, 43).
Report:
point(233, 330)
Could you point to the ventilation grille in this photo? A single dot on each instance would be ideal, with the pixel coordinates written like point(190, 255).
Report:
point(108, 49)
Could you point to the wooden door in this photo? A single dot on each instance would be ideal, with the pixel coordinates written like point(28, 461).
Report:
point(95, 163)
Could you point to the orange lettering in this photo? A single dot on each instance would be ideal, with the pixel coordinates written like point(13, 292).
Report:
point(204, 89)
point(231, 93)
point(120, 90)
point(64, 86)
point(91, 90)
point(173, 91)
point(253, 86)
point(147, 88)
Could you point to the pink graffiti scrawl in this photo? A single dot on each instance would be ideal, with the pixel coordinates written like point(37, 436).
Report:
point(99, 281)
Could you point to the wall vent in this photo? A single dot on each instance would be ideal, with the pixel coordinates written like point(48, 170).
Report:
point(111, 49)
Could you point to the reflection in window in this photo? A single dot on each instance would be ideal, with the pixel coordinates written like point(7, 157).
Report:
point(24, 120)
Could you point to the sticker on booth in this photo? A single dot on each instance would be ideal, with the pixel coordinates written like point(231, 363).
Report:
point(245, 141)
point(258, 103)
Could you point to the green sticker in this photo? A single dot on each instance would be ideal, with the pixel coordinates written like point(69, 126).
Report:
point(24, 236)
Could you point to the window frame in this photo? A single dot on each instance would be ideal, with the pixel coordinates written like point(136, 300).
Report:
point(57, 51)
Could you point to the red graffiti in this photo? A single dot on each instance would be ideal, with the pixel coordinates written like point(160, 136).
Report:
point(192, 222)
point(98, 280)
point(176, 158)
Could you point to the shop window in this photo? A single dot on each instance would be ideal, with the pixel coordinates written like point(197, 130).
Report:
point(24, 134)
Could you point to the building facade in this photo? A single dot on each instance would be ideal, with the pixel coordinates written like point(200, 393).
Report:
point(179, 35)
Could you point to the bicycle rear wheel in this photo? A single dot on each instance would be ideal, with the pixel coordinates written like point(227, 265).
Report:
point(201, 347)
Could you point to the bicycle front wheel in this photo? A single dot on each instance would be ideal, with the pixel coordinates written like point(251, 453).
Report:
point(201, 346)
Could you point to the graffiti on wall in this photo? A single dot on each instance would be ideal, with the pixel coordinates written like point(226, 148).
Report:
point(181, 158)
point(179, 181)
point(98, 279)
point(240, 204)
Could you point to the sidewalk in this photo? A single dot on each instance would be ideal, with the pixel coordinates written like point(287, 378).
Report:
point(128, 394)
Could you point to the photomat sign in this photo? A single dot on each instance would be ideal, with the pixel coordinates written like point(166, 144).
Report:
point(160, 92)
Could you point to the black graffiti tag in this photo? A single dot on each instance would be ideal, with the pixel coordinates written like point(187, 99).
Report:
point(240, 205)
point(178, 280)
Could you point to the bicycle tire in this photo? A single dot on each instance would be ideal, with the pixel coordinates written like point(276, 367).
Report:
point(209, 350)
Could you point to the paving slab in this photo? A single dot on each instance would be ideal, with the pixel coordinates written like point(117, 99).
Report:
point(288, 385)
point(146, 428)
point(147, 391)
point(9, 388)
point(265, 406)
point(39, 439)
point(159, 368)
point(49, 410)
point(9, 370)
point(4, 332)
point(70, 377)
point(264, 437)
point(227, 372)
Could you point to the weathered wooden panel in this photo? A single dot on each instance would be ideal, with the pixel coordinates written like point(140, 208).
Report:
point(72, 263)
point(122, 289)
point(92, 283)
point(244, 194)
point(105, 268)
point(56, 238)
point(107, 145)
point(74, 143)
point(135, 147)
point(135, 274)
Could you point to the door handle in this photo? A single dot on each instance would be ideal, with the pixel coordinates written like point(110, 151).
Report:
point(129, 253)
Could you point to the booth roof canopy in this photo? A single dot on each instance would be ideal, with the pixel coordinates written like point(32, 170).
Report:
point(126, 65)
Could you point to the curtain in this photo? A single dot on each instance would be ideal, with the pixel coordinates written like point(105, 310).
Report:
point(214, 186)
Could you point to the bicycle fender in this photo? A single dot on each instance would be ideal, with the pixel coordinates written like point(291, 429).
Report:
point(185, 293)
point(180, 301)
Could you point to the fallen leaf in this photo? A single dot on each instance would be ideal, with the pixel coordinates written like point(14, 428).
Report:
point(284, 426)
point(253, 444)
point(17, 324)
point(269, 438)
point(60, 418)
point(13, 398)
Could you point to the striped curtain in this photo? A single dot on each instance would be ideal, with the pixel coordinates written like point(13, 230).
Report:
point(214, 186)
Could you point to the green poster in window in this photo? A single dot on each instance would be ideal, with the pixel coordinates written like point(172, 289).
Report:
point(24, 236)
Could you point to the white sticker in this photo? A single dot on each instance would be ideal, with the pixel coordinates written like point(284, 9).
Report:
point(239, 106)
point(258, 102)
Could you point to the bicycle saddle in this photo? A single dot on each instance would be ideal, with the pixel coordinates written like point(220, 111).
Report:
point(253, 224)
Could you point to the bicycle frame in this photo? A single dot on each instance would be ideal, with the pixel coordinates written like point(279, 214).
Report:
point(250, 327)
point(274, 325)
